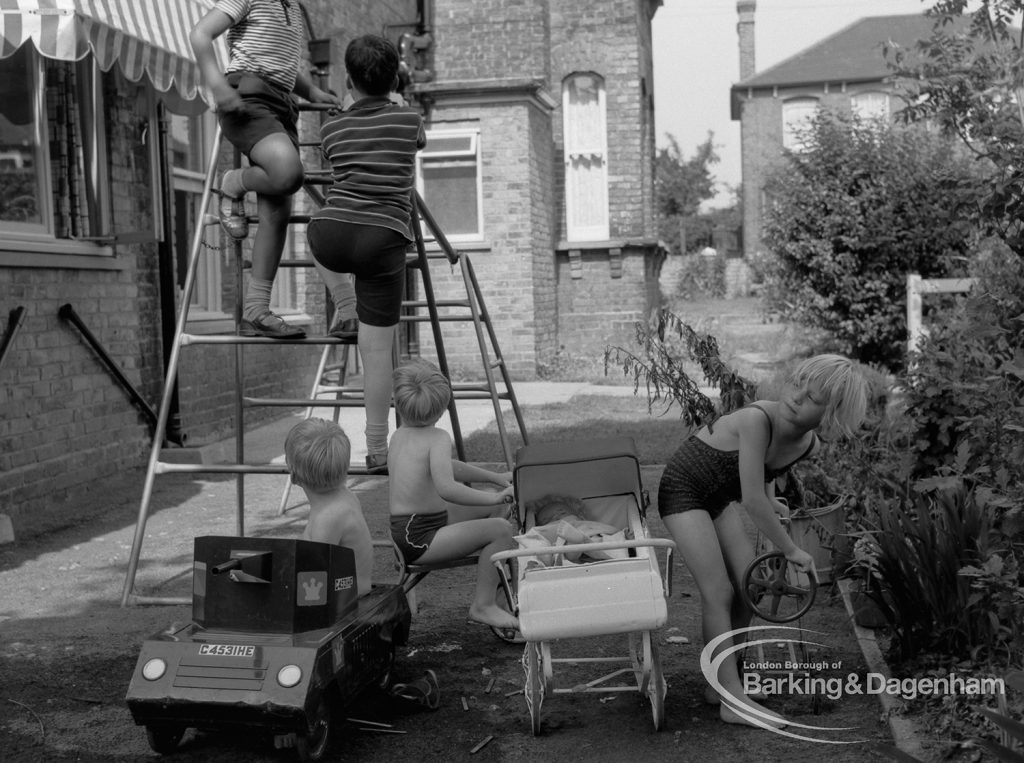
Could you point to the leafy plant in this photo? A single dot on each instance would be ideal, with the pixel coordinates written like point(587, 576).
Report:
point(701, 276)
point(850, 215)
point(669, 352)
point(930, 555)
point(968, 80)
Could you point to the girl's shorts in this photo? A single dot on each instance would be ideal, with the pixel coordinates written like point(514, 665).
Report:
point(413, 533)
point(268, 110)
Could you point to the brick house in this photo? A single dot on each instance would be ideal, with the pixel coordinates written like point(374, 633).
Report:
point(556, 110)
point(845, 71)
point(539, 167)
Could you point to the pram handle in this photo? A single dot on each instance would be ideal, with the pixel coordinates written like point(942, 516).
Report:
point(573, 548)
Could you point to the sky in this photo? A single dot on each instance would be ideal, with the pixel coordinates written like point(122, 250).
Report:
point(696, 61)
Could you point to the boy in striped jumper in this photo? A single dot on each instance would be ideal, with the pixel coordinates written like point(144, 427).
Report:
point(364, 227)
point(258, 115)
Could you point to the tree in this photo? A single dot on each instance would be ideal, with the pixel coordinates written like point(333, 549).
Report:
point(850, 215)
point(680, 186)
point(968, 79)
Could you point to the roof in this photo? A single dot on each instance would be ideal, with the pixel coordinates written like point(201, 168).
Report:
point(854, 53)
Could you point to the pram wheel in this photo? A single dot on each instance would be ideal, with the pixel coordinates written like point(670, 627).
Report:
point(649, 678)
point(769, 583)
point(534, 690)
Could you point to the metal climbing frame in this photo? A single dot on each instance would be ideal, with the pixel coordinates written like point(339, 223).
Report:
point(330, 379)
point(472, 310)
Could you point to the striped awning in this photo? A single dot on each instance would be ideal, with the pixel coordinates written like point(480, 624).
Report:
point(143, 36)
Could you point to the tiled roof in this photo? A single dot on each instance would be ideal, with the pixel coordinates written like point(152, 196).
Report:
point(854, 53)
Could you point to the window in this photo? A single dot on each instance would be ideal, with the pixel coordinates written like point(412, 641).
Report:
point(871, 105)
point(586, 158)
point(448, 179)
point(189, 140)
point(53, 163)
point(797, 115)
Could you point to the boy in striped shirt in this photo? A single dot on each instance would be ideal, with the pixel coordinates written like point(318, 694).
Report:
point(364, 227)
point(257, 114)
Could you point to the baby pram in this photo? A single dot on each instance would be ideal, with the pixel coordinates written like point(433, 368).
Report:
point(558, 600)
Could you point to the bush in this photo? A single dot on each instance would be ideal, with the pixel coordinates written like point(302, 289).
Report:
point(701, 276)
point(850, 216)
point(965, 392)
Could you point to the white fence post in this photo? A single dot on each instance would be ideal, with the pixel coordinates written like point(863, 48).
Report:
point(916, 286)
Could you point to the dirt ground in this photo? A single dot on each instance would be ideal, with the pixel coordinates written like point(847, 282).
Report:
point(67, 651)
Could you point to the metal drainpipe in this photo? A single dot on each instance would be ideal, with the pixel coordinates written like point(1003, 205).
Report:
point(168, 292)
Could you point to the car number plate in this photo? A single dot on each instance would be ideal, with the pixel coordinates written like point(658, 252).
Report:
point(227, 650)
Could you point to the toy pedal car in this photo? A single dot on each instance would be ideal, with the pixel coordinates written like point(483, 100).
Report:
point(279, 642)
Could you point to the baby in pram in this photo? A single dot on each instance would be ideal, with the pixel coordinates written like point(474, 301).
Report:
point(560, 519)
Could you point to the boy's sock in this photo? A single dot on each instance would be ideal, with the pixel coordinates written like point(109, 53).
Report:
point(342, 291)
point(231, 184)
point(257, 298)
point(376, 439)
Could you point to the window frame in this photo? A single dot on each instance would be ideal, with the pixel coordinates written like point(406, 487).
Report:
point(473, 153)
point(790, 139)
point(576, 231)
point(22, 244)
point(870, 114)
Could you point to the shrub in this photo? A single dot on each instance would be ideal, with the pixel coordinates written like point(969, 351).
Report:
point(701, 276)
point(965, 392)
point(850, 216)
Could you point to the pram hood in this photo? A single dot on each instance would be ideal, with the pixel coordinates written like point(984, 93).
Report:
point(581, 468)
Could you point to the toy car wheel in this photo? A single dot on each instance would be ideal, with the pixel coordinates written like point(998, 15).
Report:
point(164, 739)
point(388, 670)
point(772, 591)
point(312, 745)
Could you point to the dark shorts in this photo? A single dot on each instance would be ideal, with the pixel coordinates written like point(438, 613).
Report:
point(375, 255)
point(268, 110)
point(414, 533)
point(699, 477)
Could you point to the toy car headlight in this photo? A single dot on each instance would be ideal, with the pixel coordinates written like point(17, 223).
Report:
point(289, 675)
point(153, 669)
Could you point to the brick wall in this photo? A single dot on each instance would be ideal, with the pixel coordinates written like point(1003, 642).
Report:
point(534, 309)
point(66, 427)
point(513, 265)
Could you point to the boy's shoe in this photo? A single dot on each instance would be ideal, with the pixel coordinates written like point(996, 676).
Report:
point(344, 329)
point(377, 463)
point(232, 213)
point(269, 325)
point(424, 691)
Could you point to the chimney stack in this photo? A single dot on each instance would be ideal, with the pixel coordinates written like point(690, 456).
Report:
point(745, 31)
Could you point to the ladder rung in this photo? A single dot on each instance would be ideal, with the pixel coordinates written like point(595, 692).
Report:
point(305, 402)
point(439, 303)
point(162, 601)
point(236, 339)
point(164, 467)
point(441, 318)
point(481, 395)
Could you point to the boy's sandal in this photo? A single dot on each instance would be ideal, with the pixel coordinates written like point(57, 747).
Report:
point(424, 691)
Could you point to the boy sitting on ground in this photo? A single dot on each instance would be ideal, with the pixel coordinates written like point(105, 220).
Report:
point(317, 452)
